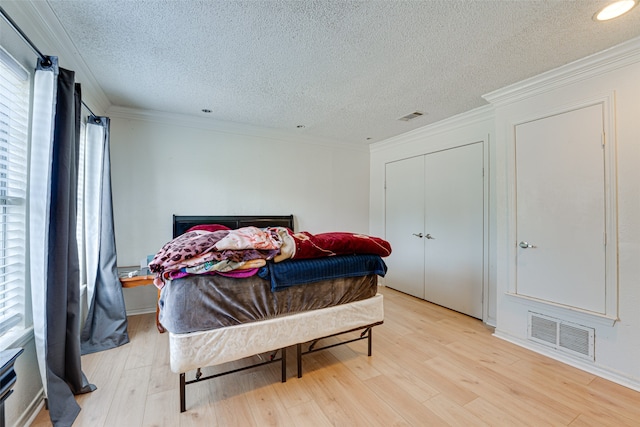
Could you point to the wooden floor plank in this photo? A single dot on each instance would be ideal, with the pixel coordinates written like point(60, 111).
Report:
point(493, 415)
point(308, 414)
point(482, 381)
point(430, 366)
point(144, 344)
point(354, 357)
point(292, 393)
point(403, 377)
point(452, 413)
point(340, 388)
point(107, 377)
point(162, 379)
point(410, 409)
point(266, 408)
point(155, 409)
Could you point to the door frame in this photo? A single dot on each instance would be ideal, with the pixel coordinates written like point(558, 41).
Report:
point(487, 298)
point(610, 183)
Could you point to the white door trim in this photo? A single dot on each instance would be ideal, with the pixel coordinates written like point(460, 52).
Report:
point(611, 276)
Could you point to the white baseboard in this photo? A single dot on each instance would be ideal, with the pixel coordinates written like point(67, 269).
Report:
point(143, 310)
point(32, 411)
point(586, 366)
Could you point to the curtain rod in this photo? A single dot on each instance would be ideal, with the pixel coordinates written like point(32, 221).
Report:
point(43, 58)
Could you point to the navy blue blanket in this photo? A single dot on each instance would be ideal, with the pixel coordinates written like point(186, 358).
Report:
point(302, 271)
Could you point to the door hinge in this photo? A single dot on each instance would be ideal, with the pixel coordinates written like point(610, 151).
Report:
point(604, 238)
point(602, 139)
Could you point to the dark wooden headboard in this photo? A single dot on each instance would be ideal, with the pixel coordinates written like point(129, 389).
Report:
point(183, 223)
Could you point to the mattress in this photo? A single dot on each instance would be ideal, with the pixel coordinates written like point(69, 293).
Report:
point(208, 302)
point(190, 351)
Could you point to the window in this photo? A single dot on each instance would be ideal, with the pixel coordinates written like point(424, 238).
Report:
point(14, 121)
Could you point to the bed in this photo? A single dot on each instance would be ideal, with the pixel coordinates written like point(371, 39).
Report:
point(213, 319)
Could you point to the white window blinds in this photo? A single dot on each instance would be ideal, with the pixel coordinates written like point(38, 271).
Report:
point(14, 121)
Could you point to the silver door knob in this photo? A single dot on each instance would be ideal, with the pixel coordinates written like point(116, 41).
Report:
point(418, 235)
point(430, 237)
point(526, 245)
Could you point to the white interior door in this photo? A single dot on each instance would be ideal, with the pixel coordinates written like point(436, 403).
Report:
point(560, 209)
point(404, 182)
point(454, 224)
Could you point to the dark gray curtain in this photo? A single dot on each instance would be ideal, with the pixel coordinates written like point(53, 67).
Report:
point(62, 345)
point(106, 323)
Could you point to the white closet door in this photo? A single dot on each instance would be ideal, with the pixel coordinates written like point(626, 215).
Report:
point(454, 206)
point(560, 206)
point(404, 220)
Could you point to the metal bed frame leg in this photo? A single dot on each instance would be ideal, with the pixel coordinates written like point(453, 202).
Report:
point(283, 363)
point(299, 359)
point(183, 403)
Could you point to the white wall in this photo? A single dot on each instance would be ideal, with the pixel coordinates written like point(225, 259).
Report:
point(467, 128)
point(612, 74)
point(164, 165)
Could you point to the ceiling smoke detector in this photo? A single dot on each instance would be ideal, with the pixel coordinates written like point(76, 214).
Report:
point(411, 116)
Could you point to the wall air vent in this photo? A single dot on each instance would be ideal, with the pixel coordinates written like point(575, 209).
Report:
point(411, 116)
point(562, 335)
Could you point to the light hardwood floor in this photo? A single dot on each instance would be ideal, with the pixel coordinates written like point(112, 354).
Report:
point(430, 367)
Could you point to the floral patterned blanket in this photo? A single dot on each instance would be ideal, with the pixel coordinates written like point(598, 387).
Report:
point(200, 251)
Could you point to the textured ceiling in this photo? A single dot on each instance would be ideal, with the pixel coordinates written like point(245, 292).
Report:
point(346, 70)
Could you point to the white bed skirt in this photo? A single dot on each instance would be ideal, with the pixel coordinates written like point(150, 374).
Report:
point(208, 348)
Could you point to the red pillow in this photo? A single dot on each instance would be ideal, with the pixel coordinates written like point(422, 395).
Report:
point(338, 243)
point(208, 227)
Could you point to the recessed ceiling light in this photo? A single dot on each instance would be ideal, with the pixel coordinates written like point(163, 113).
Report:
point(614, 10)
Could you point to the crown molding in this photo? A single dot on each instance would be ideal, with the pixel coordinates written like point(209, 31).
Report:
point(466, 119)
point(616, 57)
point(232, 128)
point(42, 26)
